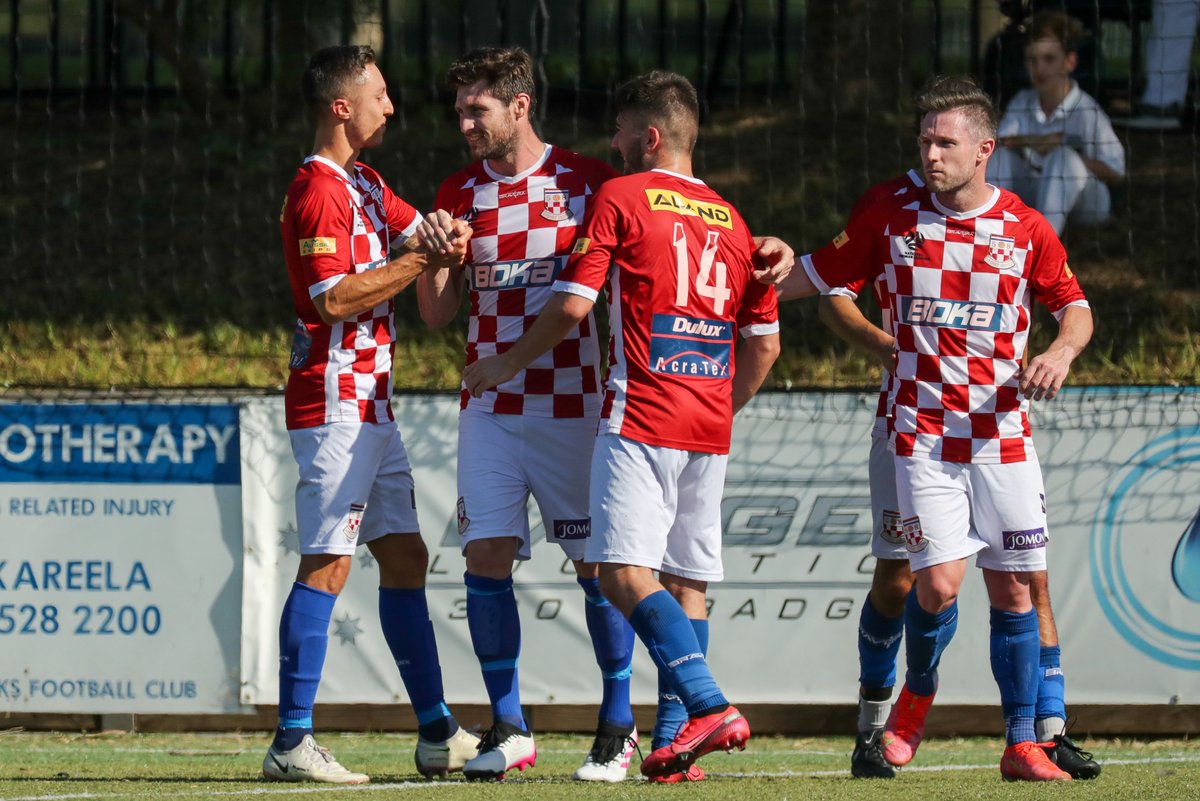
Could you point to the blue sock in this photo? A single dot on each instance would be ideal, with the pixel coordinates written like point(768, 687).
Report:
point(303, 637)
point(612, 641)
point(1014, 646)
point(927, 636)
point(404, 616)
point(496, 635)
point(1052, 685)
point(878, 646)
point(669, 637)
point(671, 712)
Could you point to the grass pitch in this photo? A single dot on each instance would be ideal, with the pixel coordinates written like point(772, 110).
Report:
point(49, 767)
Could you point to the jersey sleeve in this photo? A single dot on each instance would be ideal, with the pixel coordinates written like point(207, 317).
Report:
point(1051, 280)
point(322, 220)
point(603, 229)
point(843, 266)
point(402, 219)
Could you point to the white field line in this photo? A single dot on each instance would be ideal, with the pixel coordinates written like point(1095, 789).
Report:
point(367, 788)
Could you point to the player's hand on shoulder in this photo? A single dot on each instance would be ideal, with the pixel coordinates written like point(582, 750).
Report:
point(487, 373)
point(440, 233)
point(776, 257)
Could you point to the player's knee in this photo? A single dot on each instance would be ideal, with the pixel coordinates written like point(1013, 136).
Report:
point(890, 586)
point(936, 595)
point(491, 558)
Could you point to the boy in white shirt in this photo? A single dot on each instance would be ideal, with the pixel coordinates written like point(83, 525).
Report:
point(1057, 149)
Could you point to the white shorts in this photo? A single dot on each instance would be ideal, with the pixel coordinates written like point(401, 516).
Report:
point(505, 458)
point(951, 510)
point(887, 541)
point(657, 507)
point(356, 485)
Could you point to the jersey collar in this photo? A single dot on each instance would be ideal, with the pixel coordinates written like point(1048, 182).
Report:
point(331, 165)
point(681, 176)
point(521, 176)
point(966, 215)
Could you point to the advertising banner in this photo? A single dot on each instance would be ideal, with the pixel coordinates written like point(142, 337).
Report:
point(1121, 492)
point(120, 557)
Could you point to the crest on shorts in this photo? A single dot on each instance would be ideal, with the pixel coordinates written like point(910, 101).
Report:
point(557, 204)
point(1000, 252)
point(890, 529)
point(354, 520)
point(914, 538)
point(463, 521)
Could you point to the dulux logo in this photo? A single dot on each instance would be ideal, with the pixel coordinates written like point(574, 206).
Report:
point(1127, 570)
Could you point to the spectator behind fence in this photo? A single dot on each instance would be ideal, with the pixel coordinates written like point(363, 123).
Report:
point(1168, 58)
point(1057, 148)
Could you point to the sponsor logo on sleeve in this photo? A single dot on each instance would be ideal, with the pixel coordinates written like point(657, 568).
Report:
point(690, 347)
point(840, 240)
point(1026, 540)
point(318, 245)
point(573, 529)
point(1000, 252)
point(581, 245)
point(966, 314)
point(1067, 270)
point(711, 213)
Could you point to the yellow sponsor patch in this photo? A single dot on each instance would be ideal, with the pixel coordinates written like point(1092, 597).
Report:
point(581, 245)
point(283, 208)
point(318, 245)
point(1067, 270)
point(840, 240)
point(711, 213)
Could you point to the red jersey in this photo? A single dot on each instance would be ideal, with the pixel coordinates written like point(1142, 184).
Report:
point(877, 200)
point(960, 288)
point(333, 225)
point(676, 260)
point(524, 226)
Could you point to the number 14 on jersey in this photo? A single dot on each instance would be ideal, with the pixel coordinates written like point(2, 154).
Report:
point(710, 278)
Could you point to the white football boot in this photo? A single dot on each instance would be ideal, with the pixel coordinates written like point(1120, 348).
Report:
point(502, 748)
point(608, 761)
point(439, 757)
point(308, 762)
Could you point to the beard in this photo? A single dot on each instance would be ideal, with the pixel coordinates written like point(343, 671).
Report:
point(496, 146)
point(634, 160)
point(946, 182)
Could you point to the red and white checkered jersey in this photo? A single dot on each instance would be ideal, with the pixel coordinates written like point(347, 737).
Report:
point(677, 262)
point(524, 227)
point(877, 200)
point(960, 288)
point(336, 224)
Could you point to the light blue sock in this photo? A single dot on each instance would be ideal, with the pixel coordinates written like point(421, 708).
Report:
point(496, 636)
point(612, 642)
point(668, 635)
point(404, 617)
point(303, 638)
point(671, 712)
point(1014, 652)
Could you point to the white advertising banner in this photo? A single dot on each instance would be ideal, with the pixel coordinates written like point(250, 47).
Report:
point(120, 563)
point(1121, 485)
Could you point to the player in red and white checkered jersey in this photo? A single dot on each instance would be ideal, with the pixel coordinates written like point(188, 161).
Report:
point(962, 263)
point(339, 223)
point(881, 620)
point(524, 200)
point(677, 261)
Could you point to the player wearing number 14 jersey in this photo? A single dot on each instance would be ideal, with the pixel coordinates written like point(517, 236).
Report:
point(677, 262)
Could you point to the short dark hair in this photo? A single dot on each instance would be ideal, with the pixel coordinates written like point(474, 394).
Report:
point(948, 92)
point(1056, 25)
point(508, 72)
point(666, 100)
point(330, 72)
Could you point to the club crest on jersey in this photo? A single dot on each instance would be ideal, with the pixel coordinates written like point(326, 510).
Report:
point(914, 537)
point(354, 520)
point(890, 529)
point(1000, 252)
point(557, 204)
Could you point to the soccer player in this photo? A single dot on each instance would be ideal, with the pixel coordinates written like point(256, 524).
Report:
point(356, 485)
point(676, 260)
point(962, 262)
point(881, 621)
point(533, 434)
